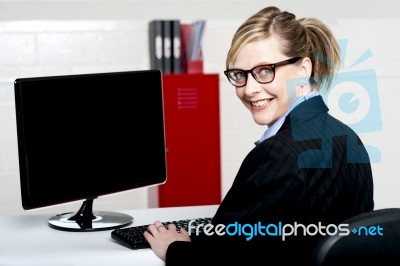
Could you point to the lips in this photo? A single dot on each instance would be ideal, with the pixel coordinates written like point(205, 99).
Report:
point(261, 103)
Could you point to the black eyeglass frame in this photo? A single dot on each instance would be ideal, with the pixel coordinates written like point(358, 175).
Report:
point(272, 66)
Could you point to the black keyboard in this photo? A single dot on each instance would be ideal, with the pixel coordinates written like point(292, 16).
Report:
point(132, 237)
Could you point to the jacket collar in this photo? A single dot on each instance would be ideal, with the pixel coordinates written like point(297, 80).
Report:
point(305, 111)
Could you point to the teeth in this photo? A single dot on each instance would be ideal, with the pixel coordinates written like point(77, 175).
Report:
point(261, 103)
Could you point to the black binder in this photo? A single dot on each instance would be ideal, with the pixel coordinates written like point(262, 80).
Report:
point(167, 46)
point(176, 47)
point(156, 44)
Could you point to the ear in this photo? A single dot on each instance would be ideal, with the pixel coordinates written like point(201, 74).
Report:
point(305, 68)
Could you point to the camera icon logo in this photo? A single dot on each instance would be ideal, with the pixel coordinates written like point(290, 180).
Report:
point(353, 99)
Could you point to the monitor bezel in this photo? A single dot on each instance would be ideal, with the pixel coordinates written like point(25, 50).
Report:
point(29, 203)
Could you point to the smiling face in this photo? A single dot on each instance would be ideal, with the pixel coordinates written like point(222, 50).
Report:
point(266, 102)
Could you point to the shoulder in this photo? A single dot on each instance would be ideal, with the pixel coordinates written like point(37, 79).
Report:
point(311, 120)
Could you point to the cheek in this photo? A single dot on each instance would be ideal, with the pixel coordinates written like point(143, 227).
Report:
point(280, 92)
point(283, 93)
point(278, 89)
point(239, 92)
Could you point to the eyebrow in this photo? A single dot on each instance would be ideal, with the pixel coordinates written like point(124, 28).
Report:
point(259, 64)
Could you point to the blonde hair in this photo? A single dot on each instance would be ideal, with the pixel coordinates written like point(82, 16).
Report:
point(305, 37)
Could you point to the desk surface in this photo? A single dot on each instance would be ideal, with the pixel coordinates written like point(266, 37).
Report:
point(28, 240)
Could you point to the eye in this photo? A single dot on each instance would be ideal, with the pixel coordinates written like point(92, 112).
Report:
point(238, 74)
point(263, 71)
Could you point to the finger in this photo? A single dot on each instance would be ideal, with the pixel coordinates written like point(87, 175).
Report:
point(184, 232)
point(157, 223)
point(171, 227)
point(152, 228)
point(160, 227)
point(148, 236)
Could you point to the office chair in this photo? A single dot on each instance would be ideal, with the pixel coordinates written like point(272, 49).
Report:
point(367, 245)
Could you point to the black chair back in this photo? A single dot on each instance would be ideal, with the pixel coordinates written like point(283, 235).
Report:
point(374, 239)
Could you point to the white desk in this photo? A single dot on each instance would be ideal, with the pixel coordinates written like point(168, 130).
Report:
point(28, 240)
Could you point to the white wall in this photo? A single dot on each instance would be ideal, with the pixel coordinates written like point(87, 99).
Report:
point(44, 37)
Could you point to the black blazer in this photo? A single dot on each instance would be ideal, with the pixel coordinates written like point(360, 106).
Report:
point(315, 169)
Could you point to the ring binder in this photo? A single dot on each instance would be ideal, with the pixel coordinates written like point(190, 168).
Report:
point(176, 47)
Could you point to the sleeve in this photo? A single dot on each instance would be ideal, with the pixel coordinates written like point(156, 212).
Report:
point(227, 251)
point(208, 251)
point(180, 253)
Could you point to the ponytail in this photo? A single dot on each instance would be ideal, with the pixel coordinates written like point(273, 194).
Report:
point(323, 50)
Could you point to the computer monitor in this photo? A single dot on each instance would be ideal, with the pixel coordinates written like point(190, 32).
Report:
point(87, 135)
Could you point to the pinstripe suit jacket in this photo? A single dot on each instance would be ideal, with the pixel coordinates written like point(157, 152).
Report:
point(315, 169)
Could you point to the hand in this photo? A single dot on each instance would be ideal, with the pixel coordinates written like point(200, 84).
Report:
point(160, 237)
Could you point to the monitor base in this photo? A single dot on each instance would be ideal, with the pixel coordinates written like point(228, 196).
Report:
point(86, 220)
point(101, 221)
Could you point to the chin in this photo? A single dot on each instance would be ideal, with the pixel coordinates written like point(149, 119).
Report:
point(261, 122)
point(264, 118)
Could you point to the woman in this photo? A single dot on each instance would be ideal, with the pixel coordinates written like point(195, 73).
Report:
point(308, 168)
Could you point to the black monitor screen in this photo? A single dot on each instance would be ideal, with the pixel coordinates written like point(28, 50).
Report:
point(88, 135)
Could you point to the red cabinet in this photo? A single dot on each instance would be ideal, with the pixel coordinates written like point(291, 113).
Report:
point(192, 131)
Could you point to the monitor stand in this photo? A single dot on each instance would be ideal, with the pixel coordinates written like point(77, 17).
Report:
point(86, 220)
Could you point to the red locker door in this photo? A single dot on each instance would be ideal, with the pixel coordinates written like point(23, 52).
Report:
point(192, 131)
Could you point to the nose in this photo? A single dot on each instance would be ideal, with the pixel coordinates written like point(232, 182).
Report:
point(252, 86)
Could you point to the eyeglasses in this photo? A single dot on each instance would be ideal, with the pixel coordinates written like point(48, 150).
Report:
point(262, 74)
